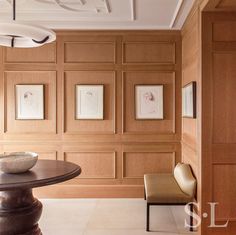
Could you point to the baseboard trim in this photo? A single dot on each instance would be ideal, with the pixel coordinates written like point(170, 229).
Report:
point(90, 191)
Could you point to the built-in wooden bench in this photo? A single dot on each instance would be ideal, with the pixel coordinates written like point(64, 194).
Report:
point(170, 189)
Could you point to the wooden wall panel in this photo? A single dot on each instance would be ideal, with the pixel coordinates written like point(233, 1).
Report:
point(41, 155)
point(45, 54)
point(45, 152)
point(95, 165)
point(218, 120)
point(222, 31)
point(80, 52)
point(227, 4)
point(147, 158)
point(208, 143)
point(165, 126)
point(106, 78)
point(191, 72)
point(47, 155)
point(190, 156)
point(224, 190)
point(136, 164)
point(48, 78)
point(224, 116)
point(149, 52)
point(117, 59)
point(190, 66)
point(219, 5)
point(190, 133)
point(190, 40)
point(224, 153)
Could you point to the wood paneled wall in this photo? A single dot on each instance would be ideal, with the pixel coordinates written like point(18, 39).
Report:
point(114, 153)
point(219, 119)
point(191, 71)
point(220, 5)
point(208, 142)
point(191, 60)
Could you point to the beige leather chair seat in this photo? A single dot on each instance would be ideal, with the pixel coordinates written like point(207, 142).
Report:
point(170, 189)
point(163, 189)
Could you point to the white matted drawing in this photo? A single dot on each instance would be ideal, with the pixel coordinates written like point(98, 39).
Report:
point(29, 102)
point(149, 102)
point(89, 102)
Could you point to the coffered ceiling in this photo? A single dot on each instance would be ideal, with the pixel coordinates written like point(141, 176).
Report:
point(100, 14)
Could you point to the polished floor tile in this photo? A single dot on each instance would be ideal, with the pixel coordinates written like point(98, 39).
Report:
point(109, 217)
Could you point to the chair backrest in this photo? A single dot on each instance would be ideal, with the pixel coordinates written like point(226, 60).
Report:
point(185, 179)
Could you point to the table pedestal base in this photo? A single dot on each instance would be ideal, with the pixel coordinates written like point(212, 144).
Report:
point(19, 213)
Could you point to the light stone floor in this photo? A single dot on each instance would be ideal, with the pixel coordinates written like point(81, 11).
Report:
point(109, 217)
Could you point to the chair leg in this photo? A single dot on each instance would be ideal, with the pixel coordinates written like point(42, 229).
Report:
point(191, 218)
point(148, 215)
point(145, 194)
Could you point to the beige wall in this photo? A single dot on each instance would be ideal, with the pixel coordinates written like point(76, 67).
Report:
point(114, 153)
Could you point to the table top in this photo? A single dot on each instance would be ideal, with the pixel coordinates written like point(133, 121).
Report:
point(45, 172)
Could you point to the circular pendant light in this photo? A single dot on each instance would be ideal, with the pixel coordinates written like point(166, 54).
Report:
point(16, 34)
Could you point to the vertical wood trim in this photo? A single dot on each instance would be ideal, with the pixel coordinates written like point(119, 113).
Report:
point(207, 118)
point(2, 97)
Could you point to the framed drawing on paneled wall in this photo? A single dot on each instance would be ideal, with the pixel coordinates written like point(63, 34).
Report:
point(89, 102)
point(189, 100)
point(149, 102)
point(29, 101)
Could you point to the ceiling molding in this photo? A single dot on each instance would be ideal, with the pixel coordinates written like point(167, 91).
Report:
point(133, 9)
point(176, 13)
point(81, 2)
point(70, 6)
point(106, 14)
point(107, 6)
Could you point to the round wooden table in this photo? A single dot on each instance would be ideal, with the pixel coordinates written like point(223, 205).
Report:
point(19, 210)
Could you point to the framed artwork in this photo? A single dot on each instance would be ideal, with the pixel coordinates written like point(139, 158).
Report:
point(29, 101)
point(149, 102)
point(89, 102)
point(189, 100)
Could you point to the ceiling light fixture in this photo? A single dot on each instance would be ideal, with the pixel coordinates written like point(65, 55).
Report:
point(16, 34)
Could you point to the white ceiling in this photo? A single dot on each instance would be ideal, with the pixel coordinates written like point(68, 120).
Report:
point(100, 14)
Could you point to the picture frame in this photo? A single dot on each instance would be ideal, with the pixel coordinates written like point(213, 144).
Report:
point(29, 102)
point(189, 106)
point(89, 104)
point(149, 102)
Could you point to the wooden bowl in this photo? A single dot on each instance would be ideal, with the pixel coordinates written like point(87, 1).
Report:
point(17, 162)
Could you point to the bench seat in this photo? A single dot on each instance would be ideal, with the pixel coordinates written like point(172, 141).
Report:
point(178, 188)
point(163, 189)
